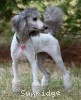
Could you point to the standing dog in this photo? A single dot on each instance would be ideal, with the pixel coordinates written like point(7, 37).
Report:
point(30, 41)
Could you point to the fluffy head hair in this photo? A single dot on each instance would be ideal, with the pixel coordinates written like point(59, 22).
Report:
point(53, 18)
point(20, 22)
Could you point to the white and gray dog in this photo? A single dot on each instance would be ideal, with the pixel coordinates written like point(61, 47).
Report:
point(30, 41)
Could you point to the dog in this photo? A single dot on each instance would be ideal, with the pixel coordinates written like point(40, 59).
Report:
point(30, 40)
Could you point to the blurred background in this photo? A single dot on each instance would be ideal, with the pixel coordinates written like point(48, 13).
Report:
point(69, 36)
point(70, 42)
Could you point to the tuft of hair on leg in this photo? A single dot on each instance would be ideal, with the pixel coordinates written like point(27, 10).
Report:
point(16, 86)
point(67, 81)
point(45, 81)
point(36, 88)
point(53, 18)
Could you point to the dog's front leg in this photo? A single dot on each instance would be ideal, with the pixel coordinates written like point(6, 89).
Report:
point(35, 84)
point(16, 85)
point(15, 51)
point(31, 57)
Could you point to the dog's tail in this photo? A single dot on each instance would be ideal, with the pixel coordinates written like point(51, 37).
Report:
point(53, 17)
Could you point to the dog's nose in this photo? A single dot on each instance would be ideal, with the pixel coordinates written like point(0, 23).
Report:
point(45, 27)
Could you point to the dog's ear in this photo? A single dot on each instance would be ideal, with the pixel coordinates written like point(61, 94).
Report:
point(15, 23)
point(20, 26)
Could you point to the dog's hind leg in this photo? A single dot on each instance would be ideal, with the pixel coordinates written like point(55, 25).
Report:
point(46, 75)
point(55, 53)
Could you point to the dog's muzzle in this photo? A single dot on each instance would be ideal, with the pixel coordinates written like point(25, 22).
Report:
point(45, 27)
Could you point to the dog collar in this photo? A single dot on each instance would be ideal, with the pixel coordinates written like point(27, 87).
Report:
point(22, 46)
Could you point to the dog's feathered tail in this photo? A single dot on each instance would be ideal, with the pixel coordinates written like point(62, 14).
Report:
point(53, 17)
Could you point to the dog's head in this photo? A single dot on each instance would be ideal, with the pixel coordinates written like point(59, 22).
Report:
point(27, 22)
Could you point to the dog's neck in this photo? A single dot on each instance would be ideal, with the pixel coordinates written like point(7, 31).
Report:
point(34, 33)
point(24, 39)
point(21, 43)
point(21, 40)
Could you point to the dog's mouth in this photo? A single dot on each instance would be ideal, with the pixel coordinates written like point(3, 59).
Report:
point(39, 30)
point(34, 33)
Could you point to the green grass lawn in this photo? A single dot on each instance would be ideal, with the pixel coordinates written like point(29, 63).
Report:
point(55, 90)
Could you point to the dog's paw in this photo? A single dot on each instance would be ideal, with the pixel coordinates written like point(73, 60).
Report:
point(36, 88)
point(16, 86)
point(67, 81)
point(45, 82)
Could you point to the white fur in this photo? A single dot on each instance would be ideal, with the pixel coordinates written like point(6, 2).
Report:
point(41, 43)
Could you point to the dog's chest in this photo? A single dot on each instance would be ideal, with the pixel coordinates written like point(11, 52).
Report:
point(22, 56)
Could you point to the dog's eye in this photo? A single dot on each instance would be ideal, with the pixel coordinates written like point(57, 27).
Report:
point(34, 19)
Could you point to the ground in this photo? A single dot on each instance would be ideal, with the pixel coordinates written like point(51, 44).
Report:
point(55, 90)
point(71, 55)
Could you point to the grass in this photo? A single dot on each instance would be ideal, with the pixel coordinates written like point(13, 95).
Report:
point(55, 90)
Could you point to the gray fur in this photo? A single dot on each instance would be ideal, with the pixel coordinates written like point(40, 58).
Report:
point(53, 18)
point(21, 24)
